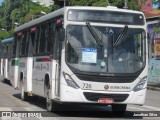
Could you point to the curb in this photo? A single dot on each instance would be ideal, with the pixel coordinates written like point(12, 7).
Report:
point(153, 88)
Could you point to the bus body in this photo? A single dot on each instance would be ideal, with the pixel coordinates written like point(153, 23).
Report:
point(95, 55)
point(13, 69)
point(1, 60)
point(6, 53)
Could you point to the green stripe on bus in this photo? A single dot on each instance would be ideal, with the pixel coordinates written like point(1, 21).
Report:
point(15, 63)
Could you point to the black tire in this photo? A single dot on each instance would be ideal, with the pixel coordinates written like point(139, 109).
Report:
point(51, 106)
point(119, 108)
point(24, 95)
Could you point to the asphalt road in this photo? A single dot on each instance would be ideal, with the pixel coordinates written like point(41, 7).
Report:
point(10, 101)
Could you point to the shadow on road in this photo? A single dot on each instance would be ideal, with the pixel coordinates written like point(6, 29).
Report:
point(79, 110)
point(33, 100)
point(6, 82)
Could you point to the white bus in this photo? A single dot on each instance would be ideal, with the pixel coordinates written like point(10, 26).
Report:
point(95, 55)
point(6, 54)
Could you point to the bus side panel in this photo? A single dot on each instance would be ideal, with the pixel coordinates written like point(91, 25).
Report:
point(42, 68)
point(54, 82)
point(25, 72)
point(1, 72)
point(5, 68)
point(13, 72)
point(29, 73)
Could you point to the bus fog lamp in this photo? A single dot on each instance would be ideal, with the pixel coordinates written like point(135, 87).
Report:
point(70, 81)
point(141, 84)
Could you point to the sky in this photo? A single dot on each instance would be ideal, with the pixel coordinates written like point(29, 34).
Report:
point(1, 1)
point(155, 6)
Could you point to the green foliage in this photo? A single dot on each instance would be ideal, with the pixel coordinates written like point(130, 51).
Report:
point(3, 34)
point(117, 2)
point(157, 29)
point(55, 7)
point(20, 11)
point(88, 2)
point(134, 5)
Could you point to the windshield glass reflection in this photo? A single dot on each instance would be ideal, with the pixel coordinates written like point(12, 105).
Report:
point(84, 54)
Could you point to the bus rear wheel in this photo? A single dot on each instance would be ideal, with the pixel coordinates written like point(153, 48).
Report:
point(49, 103)
point(119, 108)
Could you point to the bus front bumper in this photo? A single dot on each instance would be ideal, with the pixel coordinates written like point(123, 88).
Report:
point(69, 94)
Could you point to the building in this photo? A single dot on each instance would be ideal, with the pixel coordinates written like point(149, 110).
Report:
point(152, 14)
point(47, 3)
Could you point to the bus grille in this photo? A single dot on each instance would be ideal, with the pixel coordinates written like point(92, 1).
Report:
point(108, 79)
point(96, 96)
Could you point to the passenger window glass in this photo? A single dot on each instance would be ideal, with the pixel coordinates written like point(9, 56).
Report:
point(24, 45)
point(51, 37)
point(43, 35)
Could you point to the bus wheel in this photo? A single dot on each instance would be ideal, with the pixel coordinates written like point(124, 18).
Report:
point(49, 103)
point(23, 94)
point(119, 108)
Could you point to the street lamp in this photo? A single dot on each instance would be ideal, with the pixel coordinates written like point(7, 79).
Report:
point(16, 24)
point(5, 31)
point(42, 12)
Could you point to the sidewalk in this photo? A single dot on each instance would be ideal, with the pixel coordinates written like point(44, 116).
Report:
point(153, 87)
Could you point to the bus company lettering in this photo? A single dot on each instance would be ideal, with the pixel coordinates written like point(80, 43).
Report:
point(42, 67)
point(119, 87)
point(22, 65)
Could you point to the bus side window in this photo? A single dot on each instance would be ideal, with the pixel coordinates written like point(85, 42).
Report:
point(33, 38)
point(10, 49)
point(18, 44)
point(24, 45)
point(42, 38)
point(38, 35)
point(15, 46)
point(50, 37)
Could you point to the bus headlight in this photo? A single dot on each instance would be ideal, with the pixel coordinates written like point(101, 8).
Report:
point(70, 81)
point(140, 85)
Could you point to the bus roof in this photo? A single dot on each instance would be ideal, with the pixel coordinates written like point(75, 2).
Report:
point(7, 40)
point(62, 10)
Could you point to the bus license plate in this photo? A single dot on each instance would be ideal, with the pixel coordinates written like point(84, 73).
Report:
point(106, 100)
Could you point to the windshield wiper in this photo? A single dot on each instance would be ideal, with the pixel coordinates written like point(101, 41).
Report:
point(94, 34)
point(121, 35)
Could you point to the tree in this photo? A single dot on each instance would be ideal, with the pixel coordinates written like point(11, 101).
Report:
point(20, 11)
point(88, 2)
point(135, 4)
point(132, 4)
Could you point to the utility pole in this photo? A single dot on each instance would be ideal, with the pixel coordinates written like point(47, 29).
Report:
point(64, 3)
point(125, 4)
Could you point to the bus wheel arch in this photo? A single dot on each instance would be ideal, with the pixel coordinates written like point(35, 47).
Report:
point(46, 83)
point(51, 106)
point(21, 76)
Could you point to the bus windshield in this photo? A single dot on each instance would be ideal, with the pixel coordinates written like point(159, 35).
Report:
point(84, 54)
